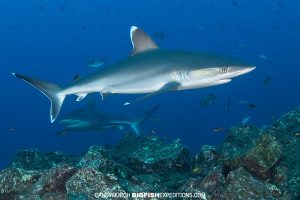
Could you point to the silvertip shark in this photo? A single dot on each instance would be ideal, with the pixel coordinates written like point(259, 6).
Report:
point(148, 70)
point(88, 119)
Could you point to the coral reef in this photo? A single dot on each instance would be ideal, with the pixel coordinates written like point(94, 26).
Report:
point(250, 164)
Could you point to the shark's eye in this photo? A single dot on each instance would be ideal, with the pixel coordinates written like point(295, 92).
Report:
point(223, 70)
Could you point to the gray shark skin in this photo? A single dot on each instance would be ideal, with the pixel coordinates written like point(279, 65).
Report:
point(149, 70)
point(88, 119)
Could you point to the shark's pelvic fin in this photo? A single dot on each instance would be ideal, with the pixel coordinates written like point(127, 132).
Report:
point(48, 89)
point(140, 41)
point(167, 87)
point(81, 96)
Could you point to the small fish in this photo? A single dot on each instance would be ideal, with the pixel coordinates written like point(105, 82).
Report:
point(297, 134)
point(83, 27)
point(262, 56)
point(274, 27)
point(246, 120)
point(200, 27)
point(62, 133)
point(243, 102)
point(252, 105)
point(235, 3)
point(61, 9)
point(40, 7)
point(227, 106)
point(76, 77)
point(220, 129)
point(96, 63)
point(196, 170)
point(210, 99)
point(268, 80)
point(12, 130)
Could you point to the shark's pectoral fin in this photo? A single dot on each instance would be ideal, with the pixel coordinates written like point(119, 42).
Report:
point(165, 88)
point(81, 96)
point(141, 41)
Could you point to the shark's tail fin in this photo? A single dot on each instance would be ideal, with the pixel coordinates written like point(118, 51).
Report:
point(48, 89)
point(137, 122)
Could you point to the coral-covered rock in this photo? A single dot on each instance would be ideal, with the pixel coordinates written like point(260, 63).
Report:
point(95, 157)
point(258, 156)
point(205, 160)
point(287, 173)
point(16, 181)
point(240, 184)
point(32, 159)
point(211, 185)
point(90, 182)
point(53, 181)
point(149, 154)
point(98, 158)
point(240, 140)
point(142, 183)
point(251, 164)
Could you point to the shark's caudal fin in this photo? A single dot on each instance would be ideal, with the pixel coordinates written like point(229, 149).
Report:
point(48, 89)
point(138, 121)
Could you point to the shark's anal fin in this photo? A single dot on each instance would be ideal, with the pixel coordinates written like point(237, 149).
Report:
point(165, 88)
point(81, 96)
point(141, 41)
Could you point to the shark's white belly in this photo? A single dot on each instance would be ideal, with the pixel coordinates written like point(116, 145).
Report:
point(113, 85)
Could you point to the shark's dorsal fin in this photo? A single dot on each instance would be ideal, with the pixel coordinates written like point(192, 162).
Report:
point(140, 41)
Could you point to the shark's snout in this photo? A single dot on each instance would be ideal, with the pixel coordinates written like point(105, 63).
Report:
point(238, 71)
point(247, 70)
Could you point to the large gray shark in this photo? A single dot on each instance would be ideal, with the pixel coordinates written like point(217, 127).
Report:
point(150, 70)
point(88, 119)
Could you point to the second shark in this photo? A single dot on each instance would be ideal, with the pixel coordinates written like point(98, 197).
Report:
point(88, 119)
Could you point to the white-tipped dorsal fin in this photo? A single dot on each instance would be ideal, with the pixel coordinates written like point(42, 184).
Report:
point(140, 41)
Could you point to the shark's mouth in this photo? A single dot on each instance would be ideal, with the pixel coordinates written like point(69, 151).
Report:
point(223, 81)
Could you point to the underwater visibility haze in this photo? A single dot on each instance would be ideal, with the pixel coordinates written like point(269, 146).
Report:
point(146, 79)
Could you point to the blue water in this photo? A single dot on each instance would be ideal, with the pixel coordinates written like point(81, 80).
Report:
point(54, 40)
